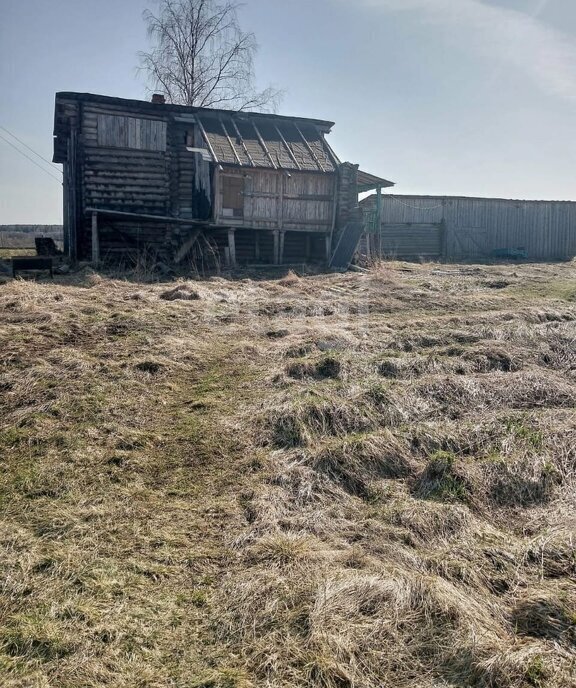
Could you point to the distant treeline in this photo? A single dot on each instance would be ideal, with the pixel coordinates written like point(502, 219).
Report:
point(23, 235)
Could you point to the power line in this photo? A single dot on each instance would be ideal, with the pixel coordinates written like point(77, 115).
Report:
point(31, 159)
point(30, 149)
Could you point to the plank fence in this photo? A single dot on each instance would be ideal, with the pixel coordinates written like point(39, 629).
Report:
point(460, 228)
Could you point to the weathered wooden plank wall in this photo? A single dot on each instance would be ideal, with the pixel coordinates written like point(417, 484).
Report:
point(475, 227)
point(130, 132)
point(275, 200)
point(118, 175)
point(416, 241)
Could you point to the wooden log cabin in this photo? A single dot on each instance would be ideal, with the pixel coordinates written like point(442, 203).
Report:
point(242, 188)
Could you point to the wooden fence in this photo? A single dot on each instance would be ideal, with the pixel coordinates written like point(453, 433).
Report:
point(458, 228)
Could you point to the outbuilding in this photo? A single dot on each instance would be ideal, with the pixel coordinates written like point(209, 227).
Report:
point(198, 184)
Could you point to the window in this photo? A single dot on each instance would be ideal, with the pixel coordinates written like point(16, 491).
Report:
point(115, 131)
point(233, 196)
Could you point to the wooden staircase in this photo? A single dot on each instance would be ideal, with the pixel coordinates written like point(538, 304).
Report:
point(347, 242)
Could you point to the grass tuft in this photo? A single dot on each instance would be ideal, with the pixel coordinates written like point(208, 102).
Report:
point(327, 481)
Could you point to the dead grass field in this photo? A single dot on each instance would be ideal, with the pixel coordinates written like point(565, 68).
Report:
point(357, 480)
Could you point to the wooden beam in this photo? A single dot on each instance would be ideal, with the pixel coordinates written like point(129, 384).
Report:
point(65, 218)
point(205, 135)
point(264, 146)
point(186, 246)
point(230, 142)
point(290, 153)
point(146, 216)
point(309, 147)
point(232, 248)
point(378, 208)
point(95, 239)
point(243, 144)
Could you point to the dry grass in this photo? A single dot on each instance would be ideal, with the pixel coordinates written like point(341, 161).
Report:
point(355, 480)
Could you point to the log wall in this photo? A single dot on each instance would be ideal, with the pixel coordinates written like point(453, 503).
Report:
point(150, 163)
point(120, 177)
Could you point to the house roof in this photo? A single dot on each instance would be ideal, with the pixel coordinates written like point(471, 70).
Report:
point(368, 182)
point(244, 139)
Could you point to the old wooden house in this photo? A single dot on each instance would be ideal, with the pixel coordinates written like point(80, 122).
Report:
point(241, 188)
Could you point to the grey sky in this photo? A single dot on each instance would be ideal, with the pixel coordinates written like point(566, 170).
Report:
point(472, 97)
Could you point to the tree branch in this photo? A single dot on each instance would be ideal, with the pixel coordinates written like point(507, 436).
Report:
point(200, 56)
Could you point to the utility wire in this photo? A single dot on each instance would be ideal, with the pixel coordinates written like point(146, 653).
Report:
point(31, 159)
point(30, 149)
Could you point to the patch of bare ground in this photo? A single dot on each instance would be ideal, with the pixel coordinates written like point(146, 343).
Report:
point(333, 481)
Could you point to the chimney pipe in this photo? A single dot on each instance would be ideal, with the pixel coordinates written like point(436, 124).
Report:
point(158, 98)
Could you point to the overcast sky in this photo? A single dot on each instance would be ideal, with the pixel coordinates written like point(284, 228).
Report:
point(467, 97)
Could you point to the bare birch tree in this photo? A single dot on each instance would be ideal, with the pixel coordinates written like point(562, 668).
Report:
point(200, 56)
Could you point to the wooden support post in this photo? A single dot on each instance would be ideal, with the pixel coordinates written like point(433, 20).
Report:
point(281, 249)
point(232, 247)
point(276, 235)
point(328, 249)
point(65, 218)
point(257, 246)
point(379, 217)
point(95, 240)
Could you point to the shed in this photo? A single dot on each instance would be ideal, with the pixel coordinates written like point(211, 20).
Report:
point(232, 187)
